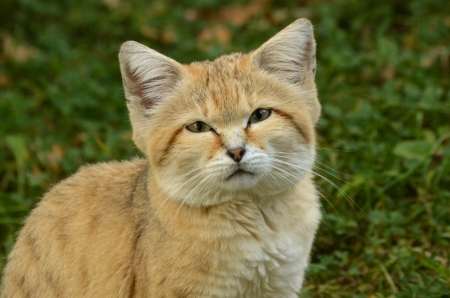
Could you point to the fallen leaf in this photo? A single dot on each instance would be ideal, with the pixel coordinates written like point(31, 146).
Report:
point(112, 4)
point(388, 73)
point(4, 80)
point(280, 15)
point(432, 55)
point(191, 15)
point(168, 35)
point(209, 36)
point(149, 32)
point(54, 157)
point(19, 52)
point(239, 15)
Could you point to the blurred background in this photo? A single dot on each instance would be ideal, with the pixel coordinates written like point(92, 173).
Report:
point(384, 136)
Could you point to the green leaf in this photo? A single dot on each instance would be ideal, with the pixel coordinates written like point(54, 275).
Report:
point(418, 149)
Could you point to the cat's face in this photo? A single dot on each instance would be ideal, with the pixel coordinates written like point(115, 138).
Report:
point(242, 124)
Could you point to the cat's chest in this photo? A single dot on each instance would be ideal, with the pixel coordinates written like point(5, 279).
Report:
point(240, 249)
point(272, 267)
point(268, 255)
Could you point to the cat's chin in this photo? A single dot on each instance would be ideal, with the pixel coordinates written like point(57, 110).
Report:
point(240, 180)
point(239, 173)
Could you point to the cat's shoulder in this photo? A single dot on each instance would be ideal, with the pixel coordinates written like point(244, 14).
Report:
point(115, 170)
point(105, 179)
point(109, 170)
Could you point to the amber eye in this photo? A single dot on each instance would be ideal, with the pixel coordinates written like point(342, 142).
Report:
point(198, 126)
point(259, 115)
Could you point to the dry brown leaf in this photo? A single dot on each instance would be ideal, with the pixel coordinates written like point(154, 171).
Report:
point(168, 35)
point(112, 4)
point(280, 15)
point(149, 32)
point(302, 12)
point(432, 55)
point(4, 80)
point(239, 15)
point(54, 157)
point(127, 136)
point(409, 41)
point(191, 15)
point(222, 34)
point(388, 73)
point(447, 21)
point(18, 52)
point(36, 170)
point(218, 33)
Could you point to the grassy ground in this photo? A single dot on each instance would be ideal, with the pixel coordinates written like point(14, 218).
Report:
point(383, 78)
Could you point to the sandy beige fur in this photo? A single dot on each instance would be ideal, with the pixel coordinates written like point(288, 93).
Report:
point(181, 222)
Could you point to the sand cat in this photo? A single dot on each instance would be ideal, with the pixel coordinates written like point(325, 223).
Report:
point(223, 205)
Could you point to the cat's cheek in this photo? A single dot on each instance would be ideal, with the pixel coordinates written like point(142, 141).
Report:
point(256, 137)
point(214, 147)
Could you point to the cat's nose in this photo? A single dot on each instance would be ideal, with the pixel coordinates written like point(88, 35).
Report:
point(236, 154)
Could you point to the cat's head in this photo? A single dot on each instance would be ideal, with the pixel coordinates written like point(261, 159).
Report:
point(239, 124)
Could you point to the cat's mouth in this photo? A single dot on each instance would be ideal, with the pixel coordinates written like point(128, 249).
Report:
point(239, 173)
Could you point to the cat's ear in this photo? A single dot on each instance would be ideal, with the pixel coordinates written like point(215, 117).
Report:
point(148, 76)
point(290, 55)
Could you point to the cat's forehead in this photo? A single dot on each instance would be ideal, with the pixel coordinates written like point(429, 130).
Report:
point(223, 88)
point(220, 73)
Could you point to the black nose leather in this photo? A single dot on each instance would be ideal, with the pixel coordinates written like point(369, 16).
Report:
point(236, 154)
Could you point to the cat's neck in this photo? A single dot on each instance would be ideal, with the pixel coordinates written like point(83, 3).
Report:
point(238, 215)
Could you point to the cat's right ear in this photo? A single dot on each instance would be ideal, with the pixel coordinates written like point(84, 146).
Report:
point(148, 76)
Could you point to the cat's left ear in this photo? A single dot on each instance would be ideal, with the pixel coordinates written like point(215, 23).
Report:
point(290, 56)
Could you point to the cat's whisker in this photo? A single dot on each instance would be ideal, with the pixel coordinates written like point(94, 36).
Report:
point(331, 174)
point(336, 150)
point(189, 194)
point(328, 201)
point(181, 186)
point(285, 154)
point(347, 197)
point(295, 185)
point(283, 179)
point(330, 168)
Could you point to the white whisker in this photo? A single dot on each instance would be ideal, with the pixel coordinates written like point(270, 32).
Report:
point(347, 197)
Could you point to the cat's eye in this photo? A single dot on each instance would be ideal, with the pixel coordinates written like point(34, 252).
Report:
point(259, 115)
point(198, 126)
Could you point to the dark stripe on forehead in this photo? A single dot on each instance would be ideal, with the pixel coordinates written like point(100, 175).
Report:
point(214, 98)
point(307, 136)
point(237, 95)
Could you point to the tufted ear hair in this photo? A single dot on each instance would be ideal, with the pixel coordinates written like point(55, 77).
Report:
point(290, 55)
point(148, 78)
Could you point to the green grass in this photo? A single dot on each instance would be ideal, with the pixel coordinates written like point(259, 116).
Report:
point(383, 79)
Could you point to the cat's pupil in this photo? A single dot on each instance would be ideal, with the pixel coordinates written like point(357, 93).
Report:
point(198, 125)
point(259, 114)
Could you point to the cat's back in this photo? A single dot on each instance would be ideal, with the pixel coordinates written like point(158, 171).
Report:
point(85, 225)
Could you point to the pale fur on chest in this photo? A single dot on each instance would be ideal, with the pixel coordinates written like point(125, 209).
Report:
point(247, 248)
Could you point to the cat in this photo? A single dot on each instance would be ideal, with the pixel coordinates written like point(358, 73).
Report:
point(222, 205)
